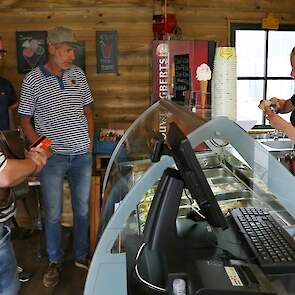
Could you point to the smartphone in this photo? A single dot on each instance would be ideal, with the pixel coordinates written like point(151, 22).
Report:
point(43, 142)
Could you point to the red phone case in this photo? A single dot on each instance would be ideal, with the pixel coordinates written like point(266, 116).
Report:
point(42, 142)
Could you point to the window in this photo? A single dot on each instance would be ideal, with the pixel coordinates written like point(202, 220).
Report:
point(263, 67)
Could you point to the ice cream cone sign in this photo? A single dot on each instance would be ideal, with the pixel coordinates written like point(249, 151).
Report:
point(203, 75)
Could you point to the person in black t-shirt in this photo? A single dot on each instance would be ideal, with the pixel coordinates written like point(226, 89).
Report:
point(8, 100)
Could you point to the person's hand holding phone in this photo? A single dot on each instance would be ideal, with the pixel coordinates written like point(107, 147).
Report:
point(42, 141)
point(39, 156)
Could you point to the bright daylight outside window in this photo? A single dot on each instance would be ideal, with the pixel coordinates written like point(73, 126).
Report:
point(263, 67)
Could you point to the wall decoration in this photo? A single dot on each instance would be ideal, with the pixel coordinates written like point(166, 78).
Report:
point(106, 52)
point(31, 49)
point(182, 81)
point(80, 55)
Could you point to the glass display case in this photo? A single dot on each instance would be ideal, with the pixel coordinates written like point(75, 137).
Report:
point(238, 169)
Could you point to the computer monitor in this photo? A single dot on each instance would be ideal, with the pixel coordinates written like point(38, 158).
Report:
point(193, 176)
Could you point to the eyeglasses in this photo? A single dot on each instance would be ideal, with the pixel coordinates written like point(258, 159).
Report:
point(3, 52)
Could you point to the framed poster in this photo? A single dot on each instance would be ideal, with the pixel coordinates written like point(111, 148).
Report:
point(31, 49)
point(106, 52)
point(80, 55)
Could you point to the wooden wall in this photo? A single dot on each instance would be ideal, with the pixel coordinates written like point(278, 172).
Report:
point(122, 97)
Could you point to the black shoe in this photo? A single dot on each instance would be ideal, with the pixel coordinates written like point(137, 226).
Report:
point(23, 276)
point(51, 277)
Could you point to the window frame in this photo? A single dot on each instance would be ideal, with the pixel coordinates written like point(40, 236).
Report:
point(257, 27)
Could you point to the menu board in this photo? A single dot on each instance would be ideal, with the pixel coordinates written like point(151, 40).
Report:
point(31, 49)
point(182, 75)
point(106, 51)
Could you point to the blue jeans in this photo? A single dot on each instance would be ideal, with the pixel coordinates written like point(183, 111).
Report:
point(9, 283)
point(77, 169)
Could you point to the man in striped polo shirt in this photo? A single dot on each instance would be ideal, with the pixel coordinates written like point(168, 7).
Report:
point(57, 96)
point(13, 172)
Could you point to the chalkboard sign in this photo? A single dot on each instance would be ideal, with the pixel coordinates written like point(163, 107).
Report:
point(31, 49)
point(182, 75)
point(106, 51)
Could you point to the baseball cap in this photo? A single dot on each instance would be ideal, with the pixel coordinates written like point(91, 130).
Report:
point(61, 35)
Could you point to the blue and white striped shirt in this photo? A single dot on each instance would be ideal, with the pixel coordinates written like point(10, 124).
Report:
point(3, 161)
point(57, 105)
point(5, 213)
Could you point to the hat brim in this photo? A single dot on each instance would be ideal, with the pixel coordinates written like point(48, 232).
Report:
point(72, 43)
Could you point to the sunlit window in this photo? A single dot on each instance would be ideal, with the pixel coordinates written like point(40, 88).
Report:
point(263, 67)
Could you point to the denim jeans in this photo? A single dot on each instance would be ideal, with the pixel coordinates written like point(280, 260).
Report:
point(77, 169)
point(9, 283)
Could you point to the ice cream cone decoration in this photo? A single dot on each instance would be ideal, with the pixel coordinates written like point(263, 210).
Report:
point(203, 92)
point(203, 75)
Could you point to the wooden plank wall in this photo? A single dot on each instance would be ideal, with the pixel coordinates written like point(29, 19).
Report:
point(122, 97)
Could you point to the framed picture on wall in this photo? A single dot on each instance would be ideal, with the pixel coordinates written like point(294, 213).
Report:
point(31, 49)
point(106, 52)
point(80, 55)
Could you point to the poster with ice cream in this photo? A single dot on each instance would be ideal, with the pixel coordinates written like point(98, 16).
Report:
point(203, 75)
point(31, 50)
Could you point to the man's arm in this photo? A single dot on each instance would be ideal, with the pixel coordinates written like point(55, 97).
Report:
point(15, 170)
point(12, 110)
point(12, 105)
point(28, 128)
point(90, 122)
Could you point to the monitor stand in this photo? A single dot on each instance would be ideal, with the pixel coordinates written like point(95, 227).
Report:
point(163, 230)
point(164, 235)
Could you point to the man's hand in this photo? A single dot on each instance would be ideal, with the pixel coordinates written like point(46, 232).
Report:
point(39, 157)
point(279, 103)
point(90, 147)
point(283, 106)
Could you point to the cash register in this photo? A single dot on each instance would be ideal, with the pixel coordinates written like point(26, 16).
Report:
point(211, 254)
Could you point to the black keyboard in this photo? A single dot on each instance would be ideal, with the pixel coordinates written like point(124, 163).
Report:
point(272, 246)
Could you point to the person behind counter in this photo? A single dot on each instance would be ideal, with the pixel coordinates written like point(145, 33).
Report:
point(284, 106)
point(13, 172)
point(58, 97)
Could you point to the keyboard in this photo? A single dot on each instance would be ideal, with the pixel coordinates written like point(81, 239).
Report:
point(272, 246)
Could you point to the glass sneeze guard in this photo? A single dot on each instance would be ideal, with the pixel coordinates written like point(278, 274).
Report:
point(132, 176)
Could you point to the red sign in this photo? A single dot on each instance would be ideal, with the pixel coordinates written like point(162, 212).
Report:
point(164, 53)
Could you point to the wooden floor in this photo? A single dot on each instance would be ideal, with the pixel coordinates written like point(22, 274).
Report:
point(31, 256)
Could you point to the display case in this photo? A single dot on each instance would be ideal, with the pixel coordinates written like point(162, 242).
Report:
point(239, 170)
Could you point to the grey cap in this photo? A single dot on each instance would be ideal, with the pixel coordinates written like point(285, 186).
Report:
point(61, 35)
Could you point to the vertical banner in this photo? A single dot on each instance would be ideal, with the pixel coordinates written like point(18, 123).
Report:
point(106, 52)
point(31, 49)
